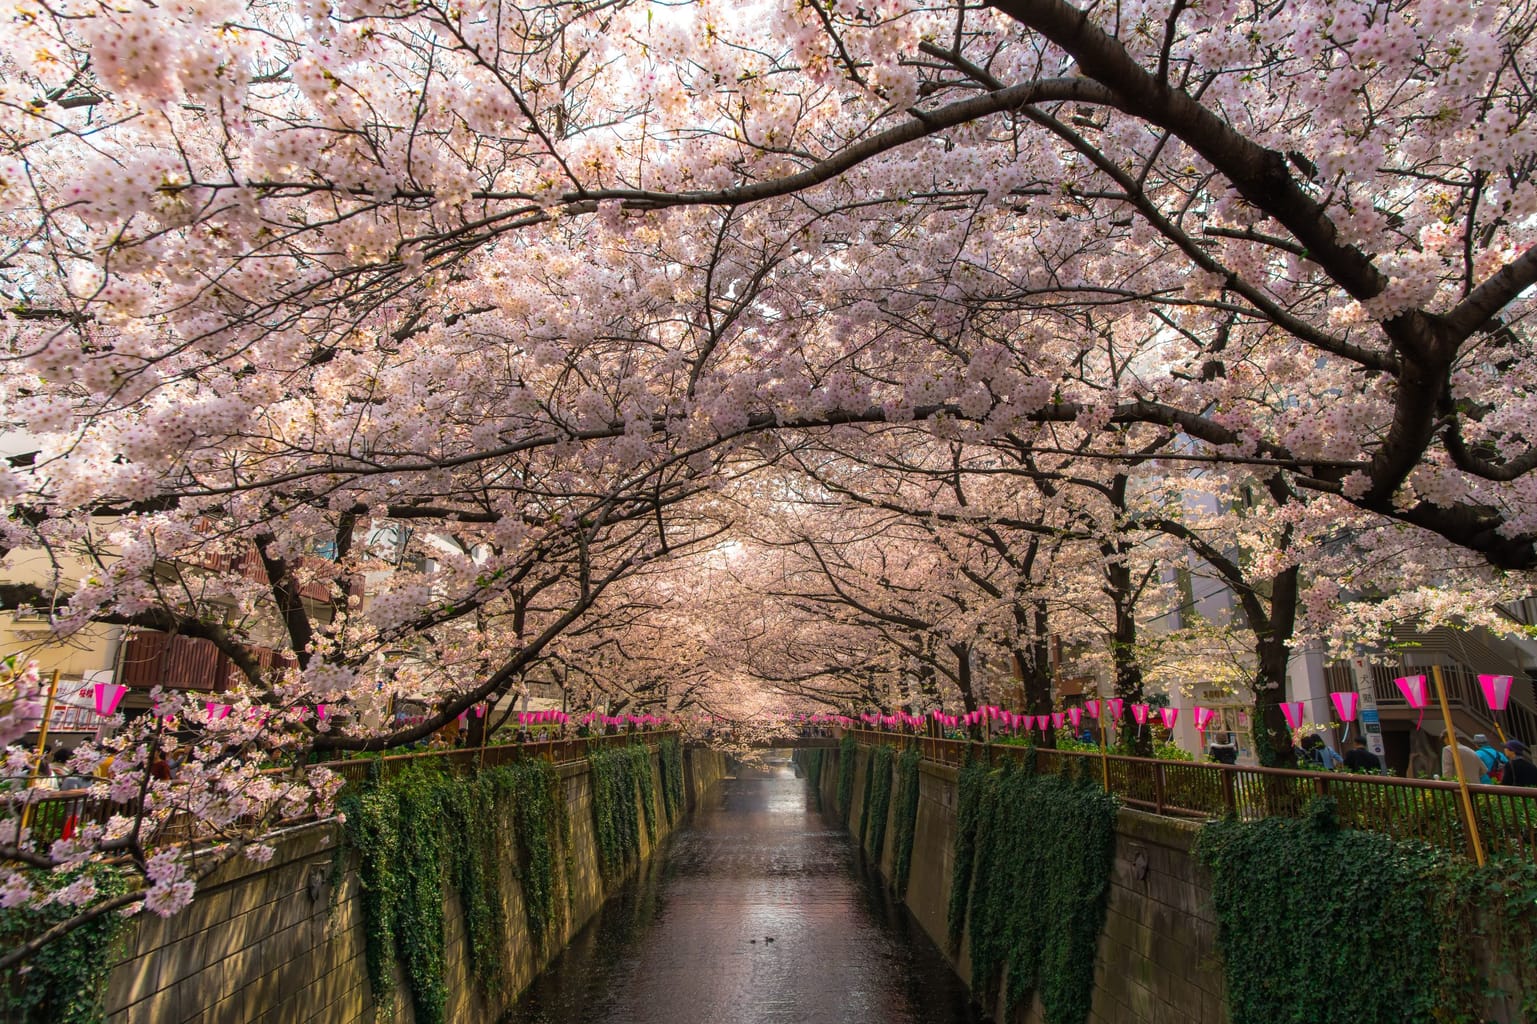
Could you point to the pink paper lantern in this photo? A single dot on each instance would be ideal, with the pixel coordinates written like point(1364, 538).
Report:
point(1292, 709)
point(1416, 692)
point(1346, 705)
point(1092, 707)
point(1203, 717)
point(1169, 716)
point(1042, 721)
point(1113, 708)
point(1075, 715)
point(320, 712)
point(1057, 718)
point(1139, 713)
point(216, 711)
point(1496, 691)
point(108, 697)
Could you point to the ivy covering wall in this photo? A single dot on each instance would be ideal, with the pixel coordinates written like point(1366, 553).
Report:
point(670, 760)
point(622, 791)
point(968, 814)
point(810, 761)
point(904, 819)
point(878, 800)
point(426, 829)
point(65, 982)
point(1041, 850)
point(1316, 922)
point(847, 751)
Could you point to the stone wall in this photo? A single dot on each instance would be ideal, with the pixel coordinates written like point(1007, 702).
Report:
point(1157, 961)
point(272, 944)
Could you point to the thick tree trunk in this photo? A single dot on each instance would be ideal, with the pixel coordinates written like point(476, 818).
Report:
point(1033, 661)
point(962, 654)
point(1272, 653)
point(1128, 672)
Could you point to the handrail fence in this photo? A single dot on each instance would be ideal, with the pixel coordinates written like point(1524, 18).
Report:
point(58, 814)
point(1424, 809)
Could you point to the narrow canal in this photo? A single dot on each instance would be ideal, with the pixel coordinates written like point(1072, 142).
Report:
point(756, 912)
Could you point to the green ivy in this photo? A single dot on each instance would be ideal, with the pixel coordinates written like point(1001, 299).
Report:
point(864, 806)
point(905, 817)
point(670, 759)
point(811, 761)
point(621, 784)
point(1320, 922)
point(878, 800)
point(1040, 881)
point(425, 829)
point(419, 914)
point(373, 830)
point(645, 781)
point(543, 828)
point(65, 982)
point(816, 759)
point(847, 751)
point(968, 813)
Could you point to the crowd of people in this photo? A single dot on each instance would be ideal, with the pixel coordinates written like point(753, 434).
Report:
point(1484, 763)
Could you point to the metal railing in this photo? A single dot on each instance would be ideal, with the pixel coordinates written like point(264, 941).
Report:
point(465, 759)
point(1423, 809)
point(58, 814)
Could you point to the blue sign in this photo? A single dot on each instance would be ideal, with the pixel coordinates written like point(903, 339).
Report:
point(1370, 715)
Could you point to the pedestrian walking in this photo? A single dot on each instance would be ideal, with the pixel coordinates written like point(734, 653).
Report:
point(1494, 761)
point(1520, 771)
point(1472, 764)
point(1318, 755)
point(1359, 759)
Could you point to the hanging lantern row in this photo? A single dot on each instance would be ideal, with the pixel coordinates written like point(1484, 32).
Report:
point(1111, 709)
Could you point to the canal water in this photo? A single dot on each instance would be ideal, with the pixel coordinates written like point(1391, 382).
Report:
point(757, 911)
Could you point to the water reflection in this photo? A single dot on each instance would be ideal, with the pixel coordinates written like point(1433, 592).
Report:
point(756, 913)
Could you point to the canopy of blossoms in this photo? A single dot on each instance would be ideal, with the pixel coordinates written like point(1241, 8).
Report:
point(693, 357)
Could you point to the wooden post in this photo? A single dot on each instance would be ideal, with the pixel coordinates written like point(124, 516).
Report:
point(42, 745)
point(1104, 757)
point(1462, 782)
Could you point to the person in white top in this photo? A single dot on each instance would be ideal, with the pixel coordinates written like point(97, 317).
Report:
point(1472, 764)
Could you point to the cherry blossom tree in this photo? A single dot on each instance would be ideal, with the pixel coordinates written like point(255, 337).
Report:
point(533, 282)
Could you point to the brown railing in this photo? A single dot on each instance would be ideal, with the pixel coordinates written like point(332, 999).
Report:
point(1425, 809)
point(465, 759)
point(57, 813)
point(60, 814)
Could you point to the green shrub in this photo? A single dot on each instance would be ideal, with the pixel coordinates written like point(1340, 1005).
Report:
point(968, 816)
point(65, 981)
point(847, 751)
point(877, 800)
point(425, 829)
point(670, 759)
point(905, 817)
point(1318, 922)
point(1039, 884)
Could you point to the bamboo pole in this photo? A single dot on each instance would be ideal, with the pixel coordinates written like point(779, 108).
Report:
point(1104, 755)
point(42, 745)
point(1462, 781)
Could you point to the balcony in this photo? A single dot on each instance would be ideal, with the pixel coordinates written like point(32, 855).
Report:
point(186, 663)
point(1462, 656)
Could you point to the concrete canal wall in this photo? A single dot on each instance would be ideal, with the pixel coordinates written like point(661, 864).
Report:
point(1157, 961)
point(272, 944)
